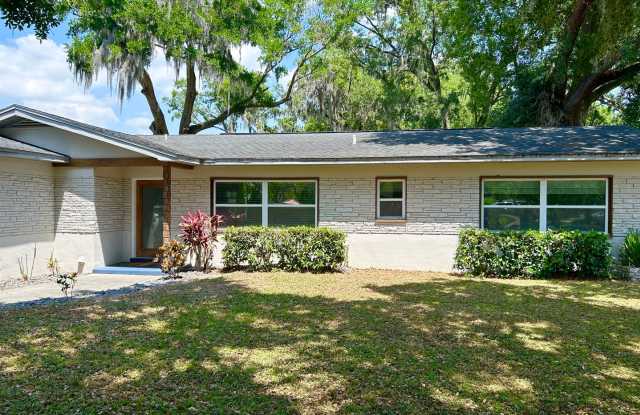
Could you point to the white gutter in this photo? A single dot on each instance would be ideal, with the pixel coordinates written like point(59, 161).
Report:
point(421, 161)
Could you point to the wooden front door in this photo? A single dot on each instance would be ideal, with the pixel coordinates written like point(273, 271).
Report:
point(149, 217)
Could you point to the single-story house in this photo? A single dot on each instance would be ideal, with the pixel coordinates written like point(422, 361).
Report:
point(100, 197)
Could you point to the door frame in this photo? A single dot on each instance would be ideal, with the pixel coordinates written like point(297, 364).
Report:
point(139, 184)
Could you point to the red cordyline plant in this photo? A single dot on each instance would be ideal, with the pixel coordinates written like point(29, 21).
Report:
point(200, 234)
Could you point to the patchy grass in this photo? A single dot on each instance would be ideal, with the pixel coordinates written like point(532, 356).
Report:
point(363, 342)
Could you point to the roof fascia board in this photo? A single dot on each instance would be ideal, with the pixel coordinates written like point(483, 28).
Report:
point(34, 156)
point(158, 155)
point(634, 157)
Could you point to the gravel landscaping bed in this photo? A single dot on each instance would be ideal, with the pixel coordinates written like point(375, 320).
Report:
point(19, 282)
point(80, 294)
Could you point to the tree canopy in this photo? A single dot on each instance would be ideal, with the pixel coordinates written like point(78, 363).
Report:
point(359, 64)
point(41, 15)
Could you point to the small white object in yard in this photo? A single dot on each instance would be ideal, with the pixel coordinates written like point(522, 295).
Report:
point(81, 262)
point(354, 140)
point(634, 273)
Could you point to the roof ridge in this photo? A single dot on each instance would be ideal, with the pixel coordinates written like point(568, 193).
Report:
point(412, 130)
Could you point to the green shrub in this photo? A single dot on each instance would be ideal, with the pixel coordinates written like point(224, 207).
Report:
point(172, 256)
point(299, 248)
point(630, 249)
point(533, 254)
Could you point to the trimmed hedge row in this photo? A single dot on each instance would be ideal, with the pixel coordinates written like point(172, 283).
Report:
point(299, 248)
point(533, 254)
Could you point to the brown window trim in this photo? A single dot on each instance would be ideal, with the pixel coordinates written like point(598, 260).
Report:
point(387, 220)
point(212, 180)
point(607, 177)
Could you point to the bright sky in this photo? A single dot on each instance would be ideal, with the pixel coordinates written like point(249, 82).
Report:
point(36, 74)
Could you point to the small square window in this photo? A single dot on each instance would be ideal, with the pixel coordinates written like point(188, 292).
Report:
point(391, 199)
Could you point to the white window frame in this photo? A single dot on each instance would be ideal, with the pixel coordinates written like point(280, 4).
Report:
point(265, 205)
point(543, 206)
point(403, 199)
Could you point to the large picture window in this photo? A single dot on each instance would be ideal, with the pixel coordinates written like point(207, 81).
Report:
point(541, 204)
point(266, 202)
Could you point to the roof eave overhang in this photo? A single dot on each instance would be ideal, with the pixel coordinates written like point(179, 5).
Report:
point(34, 156)
point(432, 160)
point(105, 138)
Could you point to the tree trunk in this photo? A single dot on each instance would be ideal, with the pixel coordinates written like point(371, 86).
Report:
point(189, 99)
point(444, 115)
point(159, 125)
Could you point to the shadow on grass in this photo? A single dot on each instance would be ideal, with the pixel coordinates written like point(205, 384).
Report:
point(444, 345)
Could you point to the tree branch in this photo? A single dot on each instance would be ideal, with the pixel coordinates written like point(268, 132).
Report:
point(597, 84)
point(376, 31)
point(247, 103)
point(574, 24)
point(189, 98)
point(159, 125)
point(614, 78)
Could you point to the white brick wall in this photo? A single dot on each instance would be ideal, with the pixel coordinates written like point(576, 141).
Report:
point(26, 204)
point(75, 205)
point(626, 204)
point(92, 204)
point(188, 195)
point(113, 204)
point(435, 206)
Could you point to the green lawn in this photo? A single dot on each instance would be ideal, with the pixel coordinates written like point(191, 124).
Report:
point(362, 342)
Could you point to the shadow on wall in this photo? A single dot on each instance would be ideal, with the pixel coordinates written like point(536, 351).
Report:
point(92, 220)
point(441, 346)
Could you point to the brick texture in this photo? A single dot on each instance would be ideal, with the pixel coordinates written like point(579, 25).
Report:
point(92, 204)
point(26, 204)
point(626, 204)
point(436, 206)
point(113, 204)
point(188, 195)
point(33, 204)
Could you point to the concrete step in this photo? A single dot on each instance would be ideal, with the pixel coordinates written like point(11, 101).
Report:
point(127, 270)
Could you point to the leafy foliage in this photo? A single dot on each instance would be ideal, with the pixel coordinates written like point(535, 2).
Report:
point(533, 254)
point(66, 280)
point(299, 248)
point(122, 37)
point(42, 15)
point(172, 257)
point(359, 64)
point(630, 249)
point(199, 232)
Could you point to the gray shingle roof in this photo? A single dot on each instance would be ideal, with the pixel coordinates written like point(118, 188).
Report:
point(460, 144)
point(387, 146)
point(129, 139)
point(9, 147)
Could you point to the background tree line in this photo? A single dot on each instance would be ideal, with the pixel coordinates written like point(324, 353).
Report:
point(359, 64)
